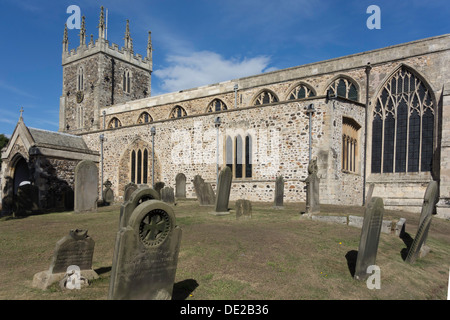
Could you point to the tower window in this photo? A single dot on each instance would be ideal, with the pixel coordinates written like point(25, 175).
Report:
point(80, 79)
point(127, 81)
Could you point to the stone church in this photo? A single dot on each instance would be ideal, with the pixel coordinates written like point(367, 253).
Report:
point(380, 117)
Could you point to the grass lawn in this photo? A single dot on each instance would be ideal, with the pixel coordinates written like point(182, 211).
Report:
point(276, 255)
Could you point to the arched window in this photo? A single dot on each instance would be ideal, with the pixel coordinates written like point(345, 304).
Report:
point(177, 112)
point(350, 145)
point(139, 166)
point(238, 156)
point(127, 81)
point(80, 79)
point(145, 117)
point(344, 88)
point(403, 125)
point(216, 105)
point(265, 97)
point(114, 123)
point(302, 91)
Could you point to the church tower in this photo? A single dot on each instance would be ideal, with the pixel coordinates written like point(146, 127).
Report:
point(99, 74)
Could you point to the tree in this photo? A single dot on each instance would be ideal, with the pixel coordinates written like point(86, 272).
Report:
point(3, 141)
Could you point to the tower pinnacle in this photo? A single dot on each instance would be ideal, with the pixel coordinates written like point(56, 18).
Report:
point(101, 25)
point(128, 40)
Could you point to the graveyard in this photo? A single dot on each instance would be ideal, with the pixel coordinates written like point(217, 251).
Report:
point(273, 254)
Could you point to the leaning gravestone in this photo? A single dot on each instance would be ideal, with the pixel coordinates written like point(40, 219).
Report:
point(204, 191)
point(312, 189)
point(167, 195)
point(146, 254)
point(223, 191)
point(75, 249)
point(129, 189)
point(370, 237)
point(279, 193)
point(180, 186)
point(86, 186)
point(418, 247)
point(243, 209)
point(159, 185)
point(137, 197)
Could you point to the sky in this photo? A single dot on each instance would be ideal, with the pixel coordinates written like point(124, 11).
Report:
point(195, 42)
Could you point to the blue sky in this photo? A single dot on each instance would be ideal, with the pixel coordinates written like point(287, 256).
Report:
point(196, 42)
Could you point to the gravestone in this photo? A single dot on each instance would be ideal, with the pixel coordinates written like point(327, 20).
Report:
point(312, 189)
point(204, 191)
point(418, 247)
point(140, 195)
point(370, 236)
point(129, 189)
point(279, 193)
point(86, 186)
point(180, 186)
point(167, 195)
point(108, 193)
point(146, 254)
point(158, 186)
point(369, 194)
point(223, 191)
point(243, 209)
point(75, 249)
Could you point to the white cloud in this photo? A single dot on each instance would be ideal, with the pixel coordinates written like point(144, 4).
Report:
point(206, 67)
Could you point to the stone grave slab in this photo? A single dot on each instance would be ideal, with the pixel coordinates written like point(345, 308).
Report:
point(86, 186)
point(180, 186)
point(223, 191)
point(243, 209)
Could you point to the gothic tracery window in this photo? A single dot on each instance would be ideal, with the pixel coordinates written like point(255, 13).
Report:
point(145, 117)
point(114, 123)
point(177, 112)
point(302, 91)
point(216, 105)
point(139, 166)
point(344, 88)
point(403, 125)
point(265, 97)
point(238, 156)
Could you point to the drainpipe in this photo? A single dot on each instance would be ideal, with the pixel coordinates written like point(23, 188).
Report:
point(368, 68)
point(310, 110)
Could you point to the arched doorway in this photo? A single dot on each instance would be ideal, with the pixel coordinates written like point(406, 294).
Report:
point(21, 173)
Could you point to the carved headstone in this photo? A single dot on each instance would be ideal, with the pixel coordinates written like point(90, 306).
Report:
point(129, 189)
point(137, 197)
point(243, 209)
point(180, 186)
point(312, 189)
point(370, 237)
point(223, 191)
point(146, 254)
point(167, 195)
point(75, 249)
point(279, 193)
point(204, 191)
point(108, 193)
point(86, 186)
point(418, 247)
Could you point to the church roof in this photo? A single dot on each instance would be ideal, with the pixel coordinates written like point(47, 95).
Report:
point(57, 139)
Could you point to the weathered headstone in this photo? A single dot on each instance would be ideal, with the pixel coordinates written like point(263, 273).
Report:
point(418, 247)
point(279, 193)
point(223, 191)
point(86, 186)
point(158, 186)
point(140, 195)
point(167, 195)
point(146, 254)
point(129, 189)
point(243, 209)
point(75, 249)
point(370, 237)
point(204, 191)
point(180, 186)
point(108, 193)
point(312, 189)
